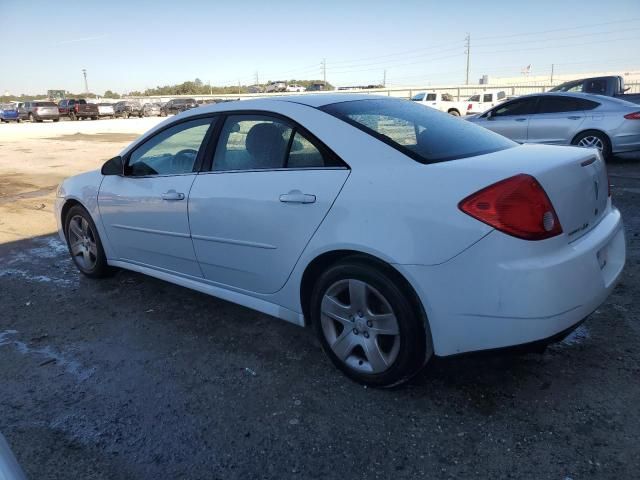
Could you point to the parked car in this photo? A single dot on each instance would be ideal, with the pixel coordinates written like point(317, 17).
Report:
point(22, 112)
point(317, 87)
point(127, 108)
point(443, 102)
point(151, 110)
point(77, 109)
point(255, 89)
point(610, 86)
point(177, 105)
point(9, 113)
point(468, 245)
point(37, 111)
point(294, 88)
point(273, 87)
point(480, 102)
point(9, 467)
point(106, 110)
point(609, 124)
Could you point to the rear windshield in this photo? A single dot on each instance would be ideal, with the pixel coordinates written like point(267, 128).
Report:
point(45, 104)
point(424, 134)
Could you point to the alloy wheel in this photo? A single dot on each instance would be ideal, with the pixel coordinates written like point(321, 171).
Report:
point(82, 242)
point(360, 326)
point(591, 141)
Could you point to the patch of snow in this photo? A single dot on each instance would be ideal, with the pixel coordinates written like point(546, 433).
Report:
point(47, 353)
point(576, 337)
point(8, 272)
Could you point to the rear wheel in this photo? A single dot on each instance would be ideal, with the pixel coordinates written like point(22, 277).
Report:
point(594, 139)
point(455, 113)
point(367, 325)
point(84, 244)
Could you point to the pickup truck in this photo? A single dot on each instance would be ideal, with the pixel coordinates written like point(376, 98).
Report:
point(441, 101)
point(481, 102)
point(78, 108)
point(610, 86)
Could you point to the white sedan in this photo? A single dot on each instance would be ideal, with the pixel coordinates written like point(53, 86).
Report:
point(396, 231)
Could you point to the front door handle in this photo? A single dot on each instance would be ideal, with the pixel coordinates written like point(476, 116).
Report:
point(521, 119)
point(172, 195)
point(574, 117)
point(296, 196)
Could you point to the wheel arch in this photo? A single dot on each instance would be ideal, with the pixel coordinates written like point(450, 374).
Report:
point(68, 204)
point(325, 260)
point(453, 110)
point(591, 130)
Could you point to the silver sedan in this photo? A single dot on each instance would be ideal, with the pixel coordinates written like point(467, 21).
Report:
point(609, 124)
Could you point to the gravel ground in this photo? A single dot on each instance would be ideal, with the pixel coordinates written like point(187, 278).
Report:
point(134, 378)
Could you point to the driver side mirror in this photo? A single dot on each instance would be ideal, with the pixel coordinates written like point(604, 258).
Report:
point(115, 166)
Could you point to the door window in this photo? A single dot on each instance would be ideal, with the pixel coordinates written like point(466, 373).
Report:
point(550, 104)
point(486, 97)
point(431, 97)
point(171, 152)
point(523, 106)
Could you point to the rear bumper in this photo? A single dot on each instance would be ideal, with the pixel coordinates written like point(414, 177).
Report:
point(504, 292)
point(46, 116)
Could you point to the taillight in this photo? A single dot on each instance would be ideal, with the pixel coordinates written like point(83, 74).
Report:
point(517, 206)
point(468, 107)
point(633, 116)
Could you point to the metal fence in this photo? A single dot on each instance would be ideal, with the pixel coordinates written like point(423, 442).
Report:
point(460, 92)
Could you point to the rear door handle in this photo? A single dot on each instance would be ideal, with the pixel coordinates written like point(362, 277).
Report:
point(574, 117)
point(172, 195)
point(296, 196)
point(521, 119)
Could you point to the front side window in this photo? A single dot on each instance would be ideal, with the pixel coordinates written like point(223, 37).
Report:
point(522, 106)
point(431, 97)
point(424, 134)
point(170, 152)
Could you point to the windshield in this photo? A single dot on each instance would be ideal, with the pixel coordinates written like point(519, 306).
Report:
point(424, 134)
point(45, 104)
point(418, 97)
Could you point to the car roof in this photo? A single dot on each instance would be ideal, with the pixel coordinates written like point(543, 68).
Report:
point(586, 96)
point(314, 100)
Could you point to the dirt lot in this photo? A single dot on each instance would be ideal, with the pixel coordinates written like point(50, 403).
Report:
point(133, 378)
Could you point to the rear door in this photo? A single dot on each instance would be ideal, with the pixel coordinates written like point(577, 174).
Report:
point(511, 119)
point(253, 213)
point(558, 119)
point(145, 211)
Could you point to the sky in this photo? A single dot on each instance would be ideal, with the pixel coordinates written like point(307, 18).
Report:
point(133, 45)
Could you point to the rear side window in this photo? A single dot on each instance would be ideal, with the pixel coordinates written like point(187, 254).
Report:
point(550, 104)
point(423, 134)
point(487, 97)
point(260, 142)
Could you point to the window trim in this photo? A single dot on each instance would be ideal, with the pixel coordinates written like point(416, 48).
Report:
point(207, 166)
point(213, 122)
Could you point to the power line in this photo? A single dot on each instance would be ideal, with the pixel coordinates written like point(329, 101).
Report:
point(564, 29)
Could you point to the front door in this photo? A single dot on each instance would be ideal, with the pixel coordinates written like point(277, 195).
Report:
point(253, 214)
point(511, 119)
point(145, 211)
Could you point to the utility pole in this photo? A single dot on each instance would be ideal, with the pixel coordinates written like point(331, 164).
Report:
point(467, 40)
point(384, 78)
point(552, 68)
point(238, 87)
point(257, 78)
point(323, 66)
point(210, 89)
point(86, 85)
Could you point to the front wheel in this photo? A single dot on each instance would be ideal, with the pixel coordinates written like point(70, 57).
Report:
point(84, 243)
point(367, 324)
point(455, 113)
point(594, 139)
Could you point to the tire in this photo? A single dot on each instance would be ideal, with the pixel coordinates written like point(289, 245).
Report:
point(594, 139)
point(56, 120)
point(351, 338)
point(94, 118)
point(31, 118)
point(72, 117)
point(87, 252)
point(455, 113)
